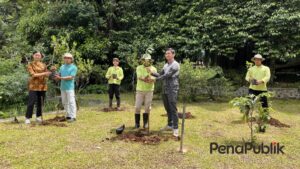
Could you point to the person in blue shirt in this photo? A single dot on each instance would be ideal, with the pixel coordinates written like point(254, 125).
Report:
point(67, 73)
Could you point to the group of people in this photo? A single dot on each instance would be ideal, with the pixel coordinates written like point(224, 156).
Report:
point(258, 77)
point(37, 86)
point(146, 77)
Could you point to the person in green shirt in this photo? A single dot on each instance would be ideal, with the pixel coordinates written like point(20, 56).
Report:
point(258, 76)
point(144, 90)
point(114, 75)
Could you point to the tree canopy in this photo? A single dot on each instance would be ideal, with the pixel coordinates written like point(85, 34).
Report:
point(208, 30)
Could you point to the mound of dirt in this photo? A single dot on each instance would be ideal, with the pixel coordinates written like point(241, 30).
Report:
point(188, 115)
point(273, 122)
point(277, 123)
point(45, 123)
point(56, 121)
point(144, 138)
point(108, 109)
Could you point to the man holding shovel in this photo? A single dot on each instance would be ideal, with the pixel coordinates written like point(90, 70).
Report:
point(144, 90)
point(170, 77)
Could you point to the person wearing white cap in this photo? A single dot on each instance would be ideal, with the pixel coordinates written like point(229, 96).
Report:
point(67, 73)
point(144, 90)
point(258, 76)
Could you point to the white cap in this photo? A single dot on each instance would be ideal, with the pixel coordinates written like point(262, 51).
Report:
point(68, 55)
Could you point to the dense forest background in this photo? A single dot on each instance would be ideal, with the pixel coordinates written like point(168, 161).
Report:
point(217, 32)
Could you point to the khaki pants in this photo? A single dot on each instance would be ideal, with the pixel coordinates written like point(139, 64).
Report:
point(143, 97)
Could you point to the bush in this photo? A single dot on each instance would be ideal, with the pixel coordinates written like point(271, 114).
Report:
point(4, 115)
point(13, 83)
point(196, 81)
point(236, 76)
point(95, 89)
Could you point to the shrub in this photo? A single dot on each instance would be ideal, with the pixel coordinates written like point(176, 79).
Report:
point(13, 83)
point(95, 89)
point(196, 81)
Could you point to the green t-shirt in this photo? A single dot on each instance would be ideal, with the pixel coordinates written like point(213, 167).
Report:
point(141, 72)
point(259, 73)
point(114, 75)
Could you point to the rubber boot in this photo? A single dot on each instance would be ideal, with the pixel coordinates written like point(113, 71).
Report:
point(145, 120)
point(137, 120)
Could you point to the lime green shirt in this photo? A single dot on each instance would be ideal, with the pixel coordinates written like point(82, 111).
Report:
point(118, 71)
point(141, 72)
point(259, 73)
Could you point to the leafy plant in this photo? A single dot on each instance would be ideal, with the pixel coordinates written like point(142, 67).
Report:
point(195, 81)
point(252, 110)
point(95, 89)
point(13, 83)
point(85, 66)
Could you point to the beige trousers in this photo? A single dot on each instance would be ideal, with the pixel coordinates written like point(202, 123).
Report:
point(143, 97)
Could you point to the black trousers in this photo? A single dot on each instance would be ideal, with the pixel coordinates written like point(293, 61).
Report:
point(114, 89)
point(263, 100)
point(170, 101)
point(38, 98)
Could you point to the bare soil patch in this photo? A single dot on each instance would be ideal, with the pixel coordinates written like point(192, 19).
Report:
point(143, 137)
point(56, 121)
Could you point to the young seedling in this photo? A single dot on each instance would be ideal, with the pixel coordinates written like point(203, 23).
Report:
point(250, 106)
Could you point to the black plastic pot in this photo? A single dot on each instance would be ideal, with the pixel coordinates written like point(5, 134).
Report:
point(120, 129)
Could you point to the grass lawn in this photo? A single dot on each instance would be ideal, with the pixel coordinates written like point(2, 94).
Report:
point(80, 145)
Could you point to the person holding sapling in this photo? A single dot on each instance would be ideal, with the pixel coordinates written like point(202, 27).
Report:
point(258, 76)
point(114, 75)
point(170, 77)
point(67, 73)
point(37, 86)
point(144, 90)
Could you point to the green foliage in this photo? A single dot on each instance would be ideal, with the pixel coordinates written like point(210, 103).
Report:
point(236, 77)
point(85, 66)
point(251, 108)
point(95, 49)
point(195, 81)
point(95, 89)
point(97, 31)
point(13, 83)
